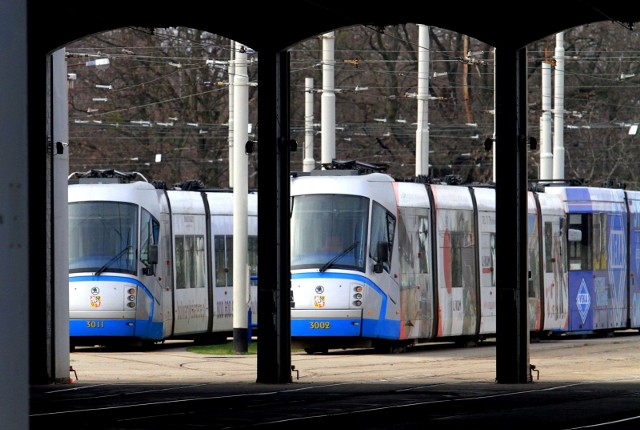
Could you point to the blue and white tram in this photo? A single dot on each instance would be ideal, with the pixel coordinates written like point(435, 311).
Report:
point(148, 263)
point(343, 293)
point(416, 261)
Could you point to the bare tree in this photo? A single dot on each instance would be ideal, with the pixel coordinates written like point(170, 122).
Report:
point(165, 94)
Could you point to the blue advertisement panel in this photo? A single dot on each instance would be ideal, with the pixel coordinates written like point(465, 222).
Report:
point(634, 257)
point(580, 294)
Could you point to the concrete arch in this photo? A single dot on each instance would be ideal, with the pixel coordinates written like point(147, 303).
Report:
point(263, 26)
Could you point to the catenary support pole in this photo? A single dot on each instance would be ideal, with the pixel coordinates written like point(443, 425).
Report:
point(308, 164)
point(328, 107)
point(422, 130)
point(232, 74)
point(240, 192)
point(546, 156)
point(60, 165)
point(558, 110)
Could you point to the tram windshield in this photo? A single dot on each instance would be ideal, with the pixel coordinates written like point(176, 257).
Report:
point(329, 231)
point(102, 237)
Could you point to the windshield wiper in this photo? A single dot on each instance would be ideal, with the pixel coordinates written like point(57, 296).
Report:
point(106, 265)
point(339, 256)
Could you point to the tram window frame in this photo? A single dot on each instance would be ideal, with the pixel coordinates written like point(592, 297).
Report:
point(580, 253)
point(457, 239)
point(599, 241)
point(252, 255)
point(548, 247)
point(190, 262)
point(223, 244)
point(149, 233)
point(383, 225)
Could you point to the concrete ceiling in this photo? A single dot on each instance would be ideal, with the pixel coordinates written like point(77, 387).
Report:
point(270, 26)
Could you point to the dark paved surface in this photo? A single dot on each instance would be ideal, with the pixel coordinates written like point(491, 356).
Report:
point(582, 384)
point(364, 406)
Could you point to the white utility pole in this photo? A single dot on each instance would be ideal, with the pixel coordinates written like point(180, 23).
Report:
point(558, 110)
point(232, 73)
point(240, 192)
point(422, 131)
point(60, 207)
point(493, 146)
point(546, 156)
point(328, 99)
point(308, 163)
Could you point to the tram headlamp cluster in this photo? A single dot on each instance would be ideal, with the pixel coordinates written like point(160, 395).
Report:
point(357, 295)
point(131, 298)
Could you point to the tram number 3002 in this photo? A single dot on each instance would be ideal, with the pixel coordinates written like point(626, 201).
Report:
point(95, 324)
point(321, 325)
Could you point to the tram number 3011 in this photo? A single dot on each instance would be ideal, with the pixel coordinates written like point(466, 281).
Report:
point(95, 324)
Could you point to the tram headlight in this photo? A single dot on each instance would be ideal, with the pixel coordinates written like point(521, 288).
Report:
point(357, 288)
point(357, 302)
point(131, 297)
point(357, 296)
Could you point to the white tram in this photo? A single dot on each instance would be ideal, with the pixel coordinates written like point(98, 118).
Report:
point(416, 262)
point(148, 263)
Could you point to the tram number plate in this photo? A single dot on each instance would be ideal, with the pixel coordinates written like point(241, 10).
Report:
point(320, 325)
point(95, 324)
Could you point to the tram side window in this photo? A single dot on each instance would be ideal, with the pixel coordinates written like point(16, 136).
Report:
point(580, 254)
point(149, 231)
point(457, 240)
point(457, 267)
point(224, 260)
point(423, 243)
point(383, 226)
point(190, 262)
point(533, 242)
point(413, 237)
point(252, 255)
point(180, 264)
point(165, 243)
point(189, 258)
point(200, 267)
point(223, 255)
point(599, 240)
point(548, 247)
point(462, 259)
